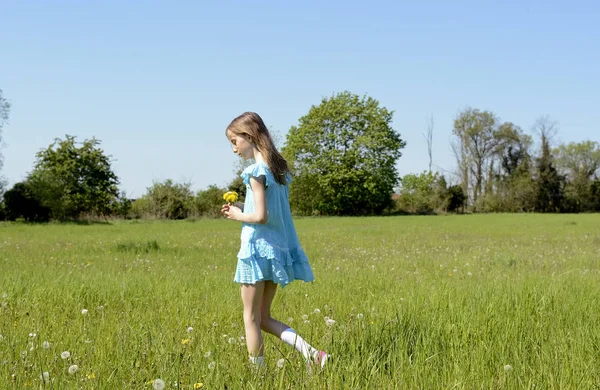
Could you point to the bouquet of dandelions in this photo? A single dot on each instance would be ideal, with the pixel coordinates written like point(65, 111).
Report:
point(230, 197)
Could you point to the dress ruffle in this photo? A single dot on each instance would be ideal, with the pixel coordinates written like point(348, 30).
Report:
point(258, 260)
point(257, 170)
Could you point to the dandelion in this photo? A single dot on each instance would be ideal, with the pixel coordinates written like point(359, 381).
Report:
point(32, 335)
point(23, 354)
point(317, 311)
point(207, 354)
point(230, 197)
point(305, 317)
point(65, 355)
point(508, 368)
point(469, 273)
point(360, 316)
point(91, 375)
point(242, 338)
point(185, 341)
point(189, 329)
point(73, 369)
point(46, 345)
point(290, 320)
point(84, 311)
point(280, 363)
point(231, 340)
point(198, 385)
point(4, 295)
point(100, 308)
point(158, 384)
point(330, 322)
point(45, 377)
point(211, 365)
point(215, 324)
point(326, 307)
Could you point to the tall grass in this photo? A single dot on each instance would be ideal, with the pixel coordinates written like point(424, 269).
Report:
point(483, 301)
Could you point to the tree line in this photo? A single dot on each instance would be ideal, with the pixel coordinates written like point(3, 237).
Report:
point(343, 156)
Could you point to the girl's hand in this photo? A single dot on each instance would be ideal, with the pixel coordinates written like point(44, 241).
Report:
point(231, 212)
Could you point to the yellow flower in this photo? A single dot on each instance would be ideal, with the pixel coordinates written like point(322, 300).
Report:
point(185, 341)
point(91, 375)
point(230, 197)
point(198, 385)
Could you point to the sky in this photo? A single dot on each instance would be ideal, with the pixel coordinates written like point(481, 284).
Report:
point(157, 82)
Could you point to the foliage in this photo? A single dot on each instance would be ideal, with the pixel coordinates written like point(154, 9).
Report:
point(72, 179)
point(457, 199)
point(19, 202)
point(169, 200)
point(208, 202)
point(343, 153)
point(423, 193)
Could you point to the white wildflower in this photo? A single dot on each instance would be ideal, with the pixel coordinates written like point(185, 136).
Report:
point(215, 324)
point(290, 320)
point(211, 365)
point(32, 335)
point(65, 355)
point(360, 316)
point(305, 317)
point(45, 377)
point(45, 345)
point(330, 322)
point(23, 354)
point(280, 363)
point(73, 369)
point(469, 273)
point(326, 307)
point(4, 295)
point(207, 354)
point(189, 329)
point(84, 311)
point(508, 368)
point(242, 338)
point(158, 384)
point(231, 340)
point(317, 311)
point(100, 308)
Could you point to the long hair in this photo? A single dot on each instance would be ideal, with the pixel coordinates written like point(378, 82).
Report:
point(251, 125)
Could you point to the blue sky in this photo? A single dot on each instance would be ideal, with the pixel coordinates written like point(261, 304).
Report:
point(157, 82)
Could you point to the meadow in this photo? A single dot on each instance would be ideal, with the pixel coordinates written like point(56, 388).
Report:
point(471, 301)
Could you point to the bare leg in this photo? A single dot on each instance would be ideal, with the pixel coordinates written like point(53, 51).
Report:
point(252, 296)
point(268, 323)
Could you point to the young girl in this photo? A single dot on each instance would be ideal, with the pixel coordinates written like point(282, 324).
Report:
point(270, 253)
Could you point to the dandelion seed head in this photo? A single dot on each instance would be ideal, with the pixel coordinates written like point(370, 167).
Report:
point(280, 363)
point(45, 377)
point(360, 316)
point(211, 365)
point(508, 368)
point(215, 324)
point(189, 329)
point(207, 354)
point(73, 369)
point(231, 340)
point(305, 317)
point(32, 335)
point(290, 320)
point(84, 311)
point(45, 345)
point(330, 322)
point(4, 295)
point(65, 355)
point(100, 308)
point(317, 311)
point(158, 384)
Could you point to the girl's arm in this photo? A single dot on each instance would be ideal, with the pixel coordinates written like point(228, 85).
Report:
point(260, 215)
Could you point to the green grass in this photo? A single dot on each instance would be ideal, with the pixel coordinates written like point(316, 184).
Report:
point(420, 302)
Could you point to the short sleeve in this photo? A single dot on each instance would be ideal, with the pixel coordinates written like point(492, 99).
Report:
point(257, 170)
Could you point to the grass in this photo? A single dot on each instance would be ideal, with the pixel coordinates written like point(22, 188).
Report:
point(482, 301)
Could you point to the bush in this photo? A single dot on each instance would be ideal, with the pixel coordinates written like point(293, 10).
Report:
point(20, 202)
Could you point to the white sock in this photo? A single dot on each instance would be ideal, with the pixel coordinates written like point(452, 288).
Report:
point(290, 337)
point(258, 361)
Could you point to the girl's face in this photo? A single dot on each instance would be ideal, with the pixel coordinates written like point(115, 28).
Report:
point(241, 145)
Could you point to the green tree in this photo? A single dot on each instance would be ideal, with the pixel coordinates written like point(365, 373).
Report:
point(20, 202)
point(550, 184)
point(423, 193)
point(343, 154)
point(72, 178)
point(579, 162)
point(209, 201)
point(167, 200)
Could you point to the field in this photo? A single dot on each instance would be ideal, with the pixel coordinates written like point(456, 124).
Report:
point(475, 301)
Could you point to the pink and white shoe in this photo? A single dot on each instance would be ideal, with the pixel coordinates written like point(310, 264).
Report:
point(319, 361)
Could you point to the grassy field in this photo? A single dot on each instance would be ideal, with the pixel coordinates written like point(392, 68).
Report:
point(482, 301)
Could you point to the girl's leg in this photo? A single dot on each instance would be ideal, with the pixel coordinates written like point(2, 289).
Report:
point(283, 331)
point(252, 296)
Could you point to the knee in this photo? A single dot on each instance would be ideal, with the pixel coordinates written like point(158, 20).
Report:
point(251, 317)
point(264, 319)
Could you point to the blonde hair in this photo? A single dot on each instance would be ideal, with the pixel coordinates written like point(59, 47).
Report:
point(251, 125)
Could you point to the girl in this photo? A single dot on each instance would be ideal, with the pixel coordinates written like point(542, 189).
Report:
point(270, 253)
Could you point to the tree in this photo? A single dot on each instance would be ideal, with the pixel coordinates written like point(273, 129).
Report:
point(343, 154)
point(4, 114)
point(476, 132)
point(209, 201)
point(579, 163)
point(167, 200)
point(72, 178)
point(422, 193)
point(20, 202)
point(549, 182)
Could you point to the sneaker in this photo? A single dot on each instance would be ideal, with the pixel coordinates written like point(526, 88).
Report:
point(319, 361)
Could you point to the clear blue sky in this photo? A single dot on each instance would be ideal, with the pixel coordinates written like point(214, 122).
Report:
point(158, 81)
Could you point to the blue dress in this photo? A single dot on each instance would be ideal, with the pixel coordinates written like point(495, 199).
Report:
point(271, 251)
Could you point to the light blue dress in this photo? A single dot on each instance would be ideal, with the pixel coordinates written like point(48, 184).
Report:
point(271, 251)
